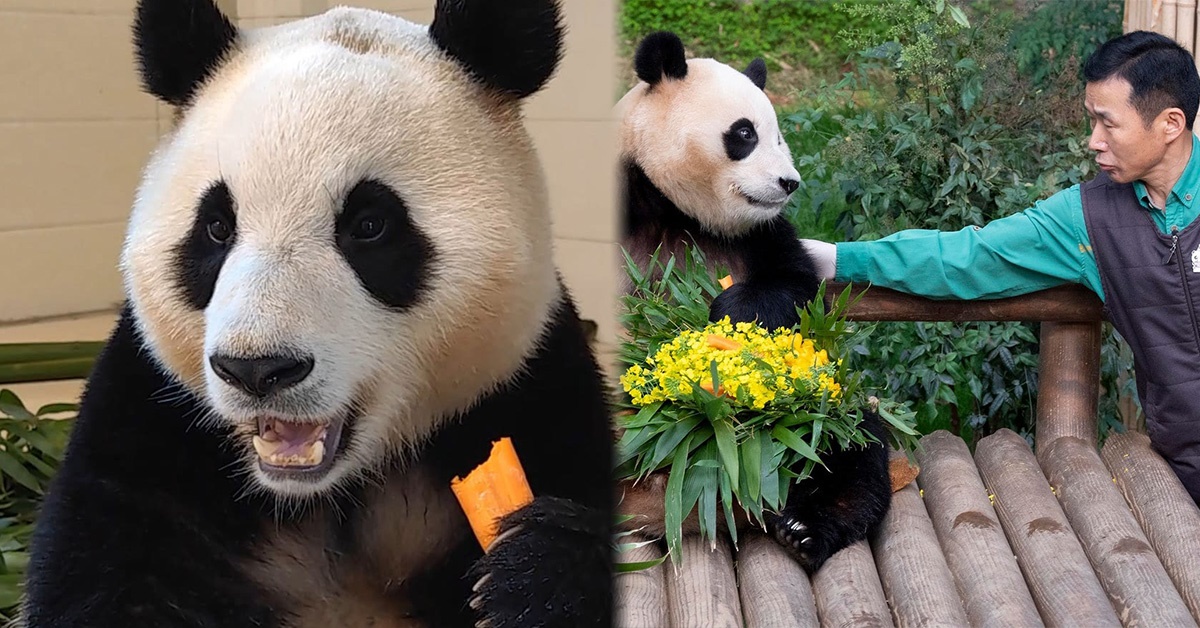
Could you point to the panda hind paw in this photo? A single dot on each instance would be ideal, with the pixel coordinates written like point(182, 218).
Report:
point(809, 544)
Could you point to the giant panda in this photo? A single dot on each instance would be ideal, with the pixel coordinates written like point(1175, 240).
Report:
point(704, 163)
point(339, 293)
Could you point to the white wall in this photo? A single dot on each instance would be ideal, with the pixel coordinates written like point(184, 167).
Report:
point(75, 131)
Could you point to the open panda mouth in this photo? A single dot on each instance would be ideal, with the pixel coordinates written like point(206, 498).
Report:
point(758, 202)
point(295, 450)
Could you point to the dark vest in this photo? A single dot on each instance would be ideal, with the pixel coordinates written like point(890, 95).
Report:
point(1151, 284)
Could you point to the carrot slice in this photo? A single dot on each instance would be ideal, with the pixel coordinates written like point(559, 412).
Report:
point(726, 281)
point(492, 490)
point(723, 343)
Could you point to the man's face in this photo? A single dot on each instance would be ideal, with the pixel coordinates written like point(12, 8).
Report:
point(1126, 147)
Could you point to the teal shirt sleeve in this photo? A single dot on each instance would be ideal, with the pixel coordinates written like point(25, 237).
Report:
point(1038, 248)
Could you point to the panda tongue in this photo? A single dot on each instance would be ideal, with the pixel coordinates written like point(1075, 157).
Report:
point(292, 439)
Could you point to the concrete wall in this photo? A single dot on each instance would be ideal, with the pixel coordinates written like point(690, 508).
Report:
point(75, 132)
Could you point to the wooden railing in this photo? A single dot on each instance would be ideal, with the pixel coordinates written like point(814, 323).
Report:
point(1068, 357)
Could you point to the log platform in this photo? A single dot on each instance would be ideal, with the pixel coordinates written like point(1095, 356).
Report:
point(1064, 534)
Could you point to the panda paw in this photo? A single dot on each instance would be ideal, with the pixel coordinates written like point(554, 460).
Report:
point(807, 541)
point(549, 566)
point(744, 303)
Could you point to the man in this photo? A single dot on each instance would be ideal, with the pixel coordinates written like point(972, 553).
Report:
point(1131, 235)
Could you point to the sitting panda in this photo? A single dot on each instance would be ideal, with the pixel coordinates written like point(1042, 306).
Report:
point(705, 164)
point(340, 291)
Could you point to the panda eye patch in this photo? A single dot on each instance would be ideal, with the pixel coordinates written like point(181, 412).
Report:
point(199, 256)
point(740, 140)
point(377, 237)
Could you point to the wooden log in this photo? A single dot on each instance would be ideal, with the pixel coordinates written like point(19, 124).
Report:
point(848, 591)
point(1136, 582)
point(1069, 380)
point(1056, 568)
point(976, 550)
point(916, 580)
point(1162, 507)
point(702, 592)
point(1064, 303)
point(775, 590)
point(641, 596)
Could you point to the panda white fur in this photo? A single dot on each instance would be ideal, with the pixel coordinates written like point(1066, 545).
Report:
point(705, 164)
point(340, 292)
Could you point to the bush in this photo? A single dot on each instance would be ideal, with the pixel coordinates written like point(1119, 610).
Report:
point(792, 36)
point(942, 125)
point(32, 443)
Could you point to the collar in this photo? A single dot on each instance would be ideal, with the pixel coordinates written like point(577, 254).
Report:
point(1186, 189)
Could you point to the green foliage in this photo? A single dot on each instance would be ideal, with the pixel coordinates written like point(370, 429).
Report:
point(787, 34)
point(31, 447)
point(717, 449)
point(950, 120)
point(1059, 34)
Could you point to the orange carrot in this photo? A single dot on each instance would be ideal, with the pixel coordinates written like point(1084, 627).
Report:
point(721, 342)
point(726, 281)
point(492, 490)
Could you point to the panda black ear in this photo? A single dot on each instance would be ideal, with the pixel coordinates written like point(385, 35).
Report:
point(179, 44)
point(513, 47)
point(660, 55)
point(757, 71)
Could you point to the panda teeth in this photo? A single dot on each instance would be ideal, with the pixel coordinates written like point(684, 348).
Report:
point(267, 450)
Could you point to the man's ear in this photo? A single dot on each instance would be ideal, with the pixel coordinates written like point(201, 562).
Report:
point(1174, 123)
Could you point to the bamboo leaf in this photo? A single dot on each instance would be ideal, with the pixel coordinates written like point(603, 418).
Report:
point(795, 443)
point(12, 468)
point(674, 504)
point(752, 466)
point(728, 449)
point(639, 565)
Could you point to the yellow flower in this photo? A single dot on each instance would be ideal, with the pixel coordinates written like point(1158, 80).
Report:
point(754, 367)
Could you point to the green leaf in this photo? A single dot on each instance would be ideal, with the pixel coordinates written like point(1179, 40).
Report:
point(795, 443)
point(751, 451)
point(13, 468)
point(727, 448)
point(669, 441)
point(958, 16)
point(674, 504)
point(641, 565)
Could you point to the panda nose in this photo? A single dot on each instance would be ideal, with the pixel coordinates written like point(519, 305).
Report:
point(261, 376)
point(788, 185)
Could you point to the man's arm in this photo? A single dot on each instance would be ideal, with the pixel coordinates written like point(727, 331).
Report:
point(1041, 247)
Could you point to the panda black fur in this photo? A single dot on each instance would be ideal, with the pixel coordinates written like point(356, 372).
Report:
point(690, 178)
point(303, 265)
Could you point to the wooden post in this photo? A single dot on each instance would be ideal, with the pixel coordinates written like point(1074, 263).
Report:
point(1132, 575)
point(993, 589)
point(1068, 383)
point(912, 568)
point(774, 589)
point(1133, 15)
point(1060, 577)
point(1166, 24)
point(1161, 506)
point(1185, 24)
point(703, 593)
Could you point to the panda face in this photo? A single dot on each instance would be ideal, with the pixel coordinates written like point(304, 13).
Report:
point(709, 138)
point(344, 242)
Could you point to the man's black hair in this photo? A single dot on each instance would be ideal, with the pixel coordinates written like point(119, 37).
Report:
point(1162, 73)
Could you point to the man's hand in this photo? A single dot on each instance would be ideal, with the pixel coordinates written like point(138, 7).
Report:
point(824, 255)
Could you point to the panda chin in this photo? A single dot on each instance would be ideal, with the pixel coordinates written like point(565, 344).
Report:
point(295, 450)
